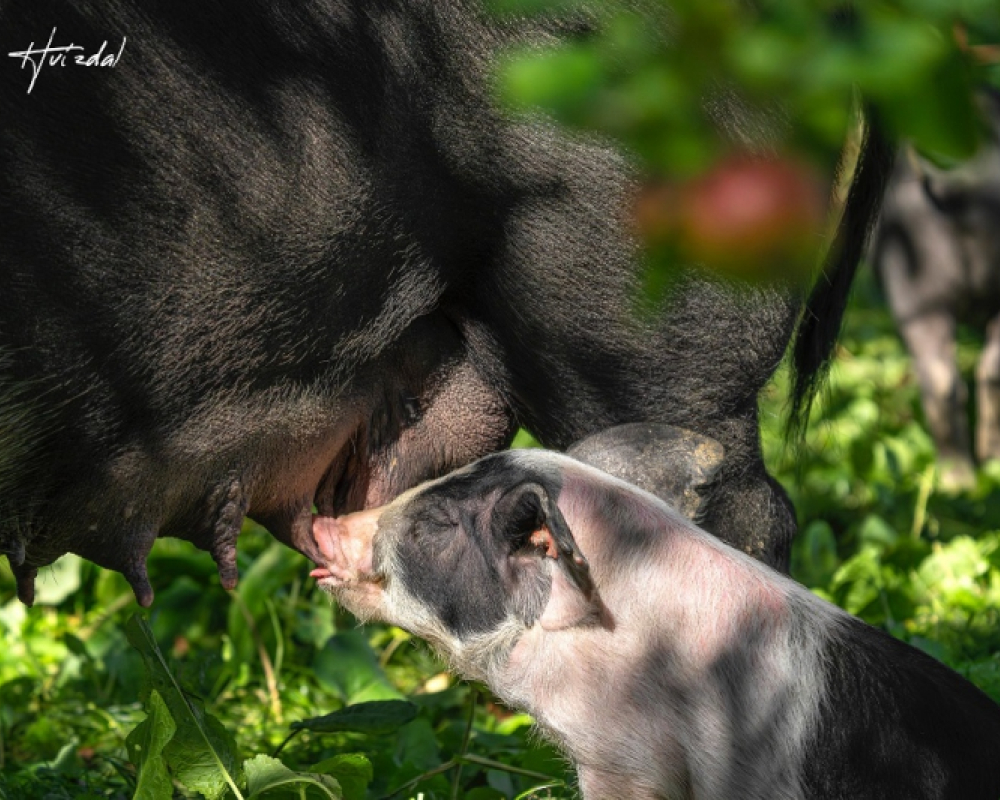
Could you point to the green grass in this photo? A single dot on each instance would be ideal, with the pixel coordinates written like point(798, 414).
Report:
point(232, 673)
point(877, 535)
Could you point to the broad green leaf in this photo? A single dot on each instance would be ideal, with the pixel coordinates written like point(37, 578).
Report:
point(501, 782)
point(75, 646)
point(66, 759)
point(417, 745)
point(43, 736)
point(944, 125)
point(353, 772)
point(202, 753)
point(375, 716)
point(57, 582)
point(348, 666)
point(268, 778)
point(545, 758)
point(986, 675)
point(145, 750)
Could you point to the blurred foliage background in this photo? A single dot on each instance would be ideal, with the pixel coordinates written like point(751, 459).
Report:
point(877, 535)
point(718, 98)
point(644, 72)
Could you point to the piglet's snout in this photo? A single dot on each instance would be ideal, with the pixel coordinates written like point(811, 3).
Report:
point(346, 546)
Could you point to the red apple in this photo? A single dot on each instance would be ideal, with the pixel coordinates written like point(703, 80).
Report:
point(749, 217)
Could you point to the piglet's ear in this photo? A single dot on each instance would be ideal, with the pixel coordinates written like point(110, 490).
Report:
point(534, 522)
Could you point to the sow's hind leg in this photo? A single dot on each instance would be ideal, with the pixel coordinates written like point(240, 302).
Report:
point(682, 468)
point(595, 362)
point(671, 463)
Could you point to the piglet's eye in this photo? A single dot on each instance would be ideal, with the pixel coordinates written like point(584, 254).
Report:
point(433, 519)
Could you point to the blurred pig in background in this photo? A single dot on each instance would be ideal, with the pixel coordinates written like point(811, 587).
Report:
point(937, 252)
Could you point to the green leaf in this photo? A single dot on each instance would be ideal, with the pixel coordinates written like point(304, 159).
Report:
point(145, 750)
point(562, 80)
point(876, 532)
point(59, 581)
point(986, 675)
point(859, 580)
point(202, 753)
point(348, 666)
point(954, 566)
point(44, 735)
point(66, 760)
point(353, 772)
point(814, 554)
point(376, 716)
point(273, 569)
point(417, 745)
point(267, 777)
point(524, 439)
point(75, 646)
point(501, 782)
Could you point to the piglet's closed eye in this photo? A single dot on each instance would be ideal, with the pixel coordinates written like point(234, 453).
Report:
point(573, 598)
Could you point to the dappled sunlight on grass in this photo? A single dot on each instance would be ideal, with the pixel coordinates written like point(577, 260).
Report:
point(878, 535)
point(270, 654)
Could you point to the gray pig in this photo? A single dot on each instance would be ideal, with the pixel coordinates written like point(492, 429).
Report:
point(665, 663)
point(937, 253)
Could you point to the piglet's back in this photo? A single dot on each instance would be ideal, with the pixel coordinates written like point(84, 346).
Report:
point(896, 723)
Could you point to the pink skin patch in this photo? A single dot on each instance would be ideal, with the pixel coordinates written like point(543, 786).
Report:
point(345, 544)
point(543, 538)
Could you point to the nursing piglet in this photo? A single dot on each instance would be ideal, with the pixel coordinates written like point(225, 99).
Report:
point(665, 663)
